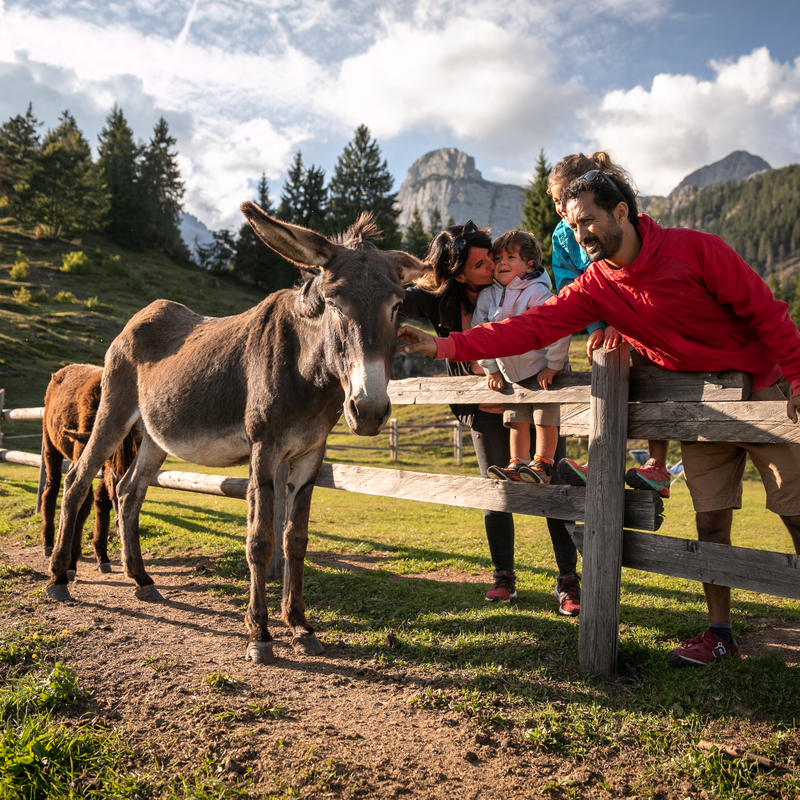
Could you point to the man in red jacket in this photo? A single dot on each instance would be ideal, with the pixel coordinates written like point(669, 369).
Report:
point(689, 303)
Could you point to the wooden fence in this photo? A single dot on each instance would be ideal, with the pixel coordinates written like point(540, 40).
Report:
point(395, 429)
point(613, 526)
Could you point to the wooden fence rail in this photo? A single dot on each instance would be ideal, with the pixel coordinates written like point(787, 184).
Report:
point(613, 526)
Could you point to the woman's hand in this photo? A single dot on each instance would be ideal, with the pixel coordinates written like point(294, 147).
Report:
point(495, 381)
point(545, 377)
point(419, 341)
point(610, 338)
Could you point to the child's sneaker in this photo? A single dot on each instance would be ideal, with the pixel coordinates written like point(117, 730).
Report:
point(505, 587)
point(540, 470)
point(510, 473)
point(572, 472)
point(649, 476)
point(568, 594)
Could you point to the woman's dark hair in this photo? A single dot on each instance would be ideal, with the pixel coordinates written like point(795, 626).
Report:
point(608, 192)
point(447, 261)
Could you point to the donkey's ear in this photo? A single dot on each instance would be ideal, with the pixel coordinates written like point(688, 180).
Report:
point(299, 245)
point(408, 268)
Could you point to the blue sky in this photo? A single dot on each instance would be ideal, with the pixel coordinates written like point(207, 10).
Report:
point(666, 85)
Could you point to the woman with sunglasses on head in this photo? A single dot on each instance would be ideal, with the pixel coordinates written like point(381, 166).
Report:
point(569, 261)
point(462, 263)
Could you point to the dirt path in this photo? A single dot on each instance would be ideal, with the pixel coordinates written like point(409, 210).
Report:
point(336, 725)
point(331, 726)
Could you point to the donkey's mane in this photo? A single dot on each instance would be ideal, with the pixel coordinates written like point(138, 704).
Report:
point(362, 231)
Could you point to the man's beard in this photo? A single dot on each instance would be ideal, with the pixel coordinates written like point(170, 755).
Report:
point(599, 249)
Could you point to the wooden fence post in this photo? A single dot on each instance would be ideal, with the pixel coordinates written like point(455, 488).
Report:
point(2, 400)
point(458, 444)
point(605, 505)
point(394, 439)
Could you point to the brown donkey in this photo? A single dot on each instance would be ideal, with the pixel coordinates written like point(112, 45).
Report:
point(264, 387)
point(70, 406)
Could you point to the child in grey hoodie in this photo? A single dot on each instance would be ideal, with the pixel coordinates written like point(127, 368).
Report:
point(521, 283)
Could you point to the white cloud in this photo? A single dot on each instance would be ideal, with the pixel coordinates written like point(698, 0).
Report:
point(680, 123)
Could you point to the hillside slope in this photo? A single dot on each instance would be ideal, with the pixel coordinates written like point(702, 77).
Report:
point(61, 323)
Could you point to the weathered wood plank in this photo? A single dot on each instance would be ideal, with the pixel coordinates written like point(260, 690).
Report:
point(761, 571)
point(558, 502)
point(24, 414)
point(570, 387)
point(643, 510)
point(695, 422)
point(605, 512)
point(647, 384)
point(654, 385)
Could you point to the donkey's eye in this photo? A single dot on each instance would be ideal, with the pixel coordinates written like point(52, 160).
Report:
point(395, 309)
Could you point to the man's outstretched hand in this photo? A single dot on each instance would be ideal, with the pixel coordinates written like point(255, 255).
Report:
point(418, 341)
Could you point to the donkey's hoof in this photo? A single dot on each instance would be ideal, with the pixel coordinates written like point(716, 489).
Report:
point(71, 575)
point(58, 592)
point(48, 551)
point(104, 567)
point(261, 652)
point(149, 594)
point(307, 644)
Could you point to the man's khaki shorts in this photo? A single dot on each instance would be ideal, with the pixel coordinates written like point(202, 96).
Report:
point(714, 469)
point(532, 413)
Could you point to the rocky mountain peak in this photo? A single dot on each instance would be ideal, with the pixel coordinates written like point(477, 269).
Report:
point(446, 162)
point(448, 180)
point(736, 166)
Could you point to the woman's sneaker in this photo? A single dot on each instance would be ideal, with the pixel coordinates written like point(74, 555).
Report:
point(568, 594)
point(510, 473)
point(540, 470)
point(505, 587)
point(651, 475)
point(571, 472)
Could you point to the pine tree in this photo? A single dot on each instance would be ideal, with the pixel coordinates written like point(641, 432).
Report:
point(315, 200)
point(539, 214)
point(163, 193)
point(291, 206)
point(61, 186)
point(18, 142)
point(362, 182)
point(436, 223)
point(118, 161)
point(256, 263)
point(218, 256)
point(415, 239)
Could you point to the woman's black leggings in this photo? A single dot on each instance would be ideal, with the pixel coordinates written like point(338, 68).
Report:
point(491, 441)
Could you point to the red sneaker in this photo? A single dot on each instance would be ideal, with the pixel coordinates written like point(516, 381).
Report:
point(568, 594)
point(650, 476)
point(572, 472)
point(702, 650)
point(505, 587)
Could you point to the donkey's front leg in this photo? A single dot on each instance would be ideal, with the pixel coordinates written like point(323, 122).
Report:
point(260, 543)
point(299, 487)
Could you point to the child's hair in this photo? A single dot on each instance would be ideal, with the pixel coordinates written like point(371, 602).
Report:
point(523, 243)
point(570, 168)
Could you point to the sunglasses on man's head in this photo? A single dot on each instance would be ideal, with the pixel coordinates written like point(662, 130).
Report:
point(592, 174)
point(460, 242)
